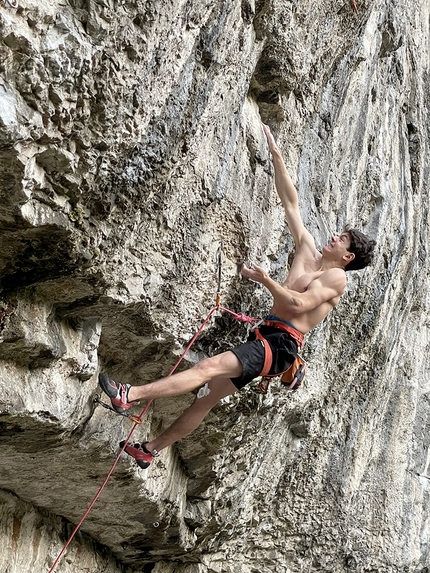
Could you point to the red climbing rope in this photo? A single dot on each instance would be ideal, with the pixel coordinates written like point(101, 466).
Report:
point(95, 498)
point(138, 420)
point(239, 316)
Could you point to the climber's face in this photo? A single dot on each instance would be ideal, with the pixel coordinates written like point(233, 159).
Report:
point(337, 249)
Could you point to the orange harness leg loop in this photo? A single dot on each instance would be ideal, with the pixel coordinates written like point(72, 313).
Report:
point(268, 355)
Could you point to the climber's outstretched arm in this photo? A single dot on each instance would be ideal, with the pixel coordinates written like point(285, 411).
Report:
point(288, 195)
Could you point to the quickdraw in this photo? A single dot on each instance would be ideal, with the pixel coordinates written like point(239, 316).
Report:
point(128, 415)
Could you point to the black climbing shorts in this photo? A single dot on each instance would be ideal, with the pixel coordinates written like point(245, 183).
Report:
point(251, 354)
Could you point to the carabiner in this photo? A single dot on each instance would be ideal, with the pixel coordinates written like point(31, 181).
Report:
point(134, 419)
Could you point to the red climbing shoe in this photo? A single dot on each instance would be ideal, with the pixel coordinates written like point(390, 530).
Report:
point(118, 393)
point(139, 453)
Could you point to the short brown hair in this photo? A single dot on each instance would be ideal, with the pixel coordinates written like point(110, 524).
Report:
point(362, 247)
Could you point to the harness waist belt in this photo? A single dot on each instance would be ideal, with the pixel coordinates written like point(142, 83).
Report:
point(293, 332)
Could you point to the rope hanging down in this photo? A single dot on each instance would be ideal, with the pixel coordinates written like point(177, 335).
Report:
point(138, 419)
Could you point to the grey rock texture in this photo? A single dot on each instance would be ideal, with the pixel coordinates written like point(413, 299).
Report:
point(130, 148)
point(31, 537)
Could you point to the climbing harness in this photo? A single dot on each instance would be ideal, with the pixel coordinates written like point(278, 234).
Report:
point(294, 375)
point(268, 356)
point(254, 322)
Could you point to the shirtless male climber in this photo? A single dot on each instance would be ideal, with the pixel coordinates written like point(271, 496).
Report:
point(312, 289)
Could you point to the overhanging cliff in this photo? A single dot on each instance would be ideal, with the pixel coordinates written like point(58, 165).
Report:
point(130, 148)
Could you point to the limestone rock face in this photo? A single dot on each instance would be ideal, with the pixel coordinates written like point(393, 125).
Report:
point(130, 149)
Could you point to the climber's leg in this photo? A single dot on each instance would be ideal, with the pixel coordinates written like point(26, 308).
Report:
point(193, 416)
point(225, 365)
